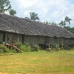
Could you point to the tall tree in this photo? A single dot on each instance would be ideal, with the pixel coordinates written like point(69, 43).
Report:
point(62, 23)
point(34, 16)
point(71, 29)
point(53, 23)
point(46, 22)
point(67, 19)
point(4, 5)
point(27, 18)
point(12, 12)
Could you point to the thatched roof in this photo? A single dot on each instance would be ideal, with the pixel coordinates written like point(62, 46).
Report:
point(27, 27)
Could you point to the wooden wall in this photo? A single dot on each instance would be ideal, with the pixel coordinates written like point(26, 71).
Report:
point(69, 41)
point(13, 38)
point(53, 40)
point(1, 37)
point(34, 39)
point(10, 37)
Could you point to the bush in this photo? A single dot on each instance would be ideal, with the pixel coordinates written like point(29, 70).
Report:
point(57, 47)
point(26, 47)
point(72, 48)
point(18, 44)
point(3, 48)
point(23, 48)
point(35, 47)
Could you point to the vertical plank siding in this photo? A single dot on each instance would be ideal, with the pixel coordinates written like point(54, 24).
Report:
point(1, 37)
point(34, 39)
point(13, 38)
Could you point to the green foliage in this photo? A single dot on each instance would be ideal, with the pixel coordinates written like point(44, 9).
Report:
point(70, 29)
point(34, 16)
point(62, 23)
point(35, 48)
point(27, 47)
point(57, 46)
point(46, 22)
point(3, 48)
point(53, 23)
point(23, 48)
point(4, 5)
point(72, 48)
point(12, 12)
point(18, 44)
point(67, 19)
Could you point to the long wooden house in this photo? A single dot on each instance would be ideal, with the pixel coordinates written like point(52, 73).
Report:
point(13, 29)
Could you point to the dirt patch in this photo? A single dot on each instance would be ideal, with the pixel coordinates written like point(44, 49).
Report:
point(6, 54)
point(3, 73)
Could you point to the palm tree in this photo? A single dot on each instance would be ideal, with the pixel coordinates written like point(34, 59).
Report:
point(62, 23)
point(67, 19)
point(12, 12)
point(34, 16)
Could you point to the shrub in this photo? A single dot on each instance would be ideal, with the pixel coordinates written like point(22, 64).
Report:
point(26, 47)
point(3, 48)
point(23, 48)
point(72, 48)
point(57, 47)
point(35, 47)
point(18, 44)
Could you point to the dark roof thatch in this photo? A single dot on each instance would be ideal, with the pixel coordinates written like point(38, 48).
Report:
point(27, 27)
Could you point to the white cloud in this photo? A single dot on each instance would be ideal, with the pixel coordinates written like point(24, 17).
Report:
point(70, 13)
point(50, 10)
point(26, 3)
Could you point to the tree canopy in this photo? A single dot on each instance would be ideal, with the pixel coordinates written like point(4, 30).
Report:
point(71, 29)
point(12, 12)
point(67, 19)
point(62, 23)
point(34, 16)
point(4, 5)
point(46, 22)
point(51, 23)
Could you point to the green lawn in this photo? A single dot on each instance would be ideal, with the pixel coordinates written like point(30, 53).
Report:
point(41, 62)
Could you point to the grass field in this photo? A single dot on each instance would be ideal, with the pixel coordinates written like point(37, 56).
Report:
point(41, 62)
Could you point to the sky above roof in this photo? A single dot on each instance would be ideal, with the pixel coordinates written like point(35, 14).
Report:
point(47, 10)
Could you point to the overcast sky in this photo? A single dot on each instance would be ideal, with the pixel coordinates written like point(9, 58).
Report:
point(47, 10)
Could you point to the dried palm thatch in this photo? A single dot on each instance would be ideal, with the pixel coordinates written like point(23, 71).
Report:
point(27, 27)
